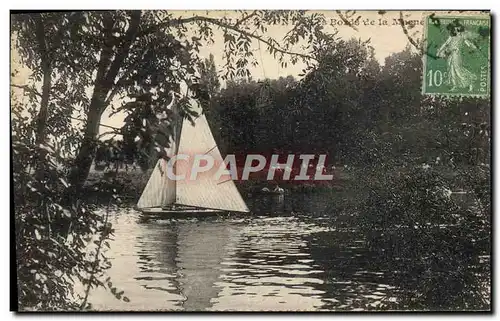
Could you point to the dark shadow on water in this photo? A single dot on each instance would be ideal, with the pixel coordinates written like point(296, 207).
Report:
point(289, 253)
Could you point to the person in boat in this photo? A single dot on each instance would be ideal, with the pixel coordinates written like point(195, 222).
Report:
point(278, 189)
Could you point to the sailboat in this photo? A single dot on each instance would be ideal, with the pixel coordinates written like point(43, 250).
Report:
point(163, 195)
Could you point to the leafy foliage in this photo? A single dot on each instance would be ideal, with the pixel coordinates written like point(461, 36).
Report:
point(436, 243)
point(56, 242)
point(321, 113)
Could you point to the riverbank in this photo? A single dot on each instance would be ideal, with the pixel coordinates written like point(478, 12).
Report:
point(129, 184)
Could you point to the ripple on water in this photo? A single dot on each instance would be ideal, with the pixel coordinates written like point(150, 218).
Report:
point(254, 263)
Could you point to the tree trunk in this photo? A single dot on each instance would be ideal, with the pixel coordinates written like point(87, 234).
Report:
point(83, 161)
point(41, 120)
point(47, 80)
point(86, 154)
point(105, 80)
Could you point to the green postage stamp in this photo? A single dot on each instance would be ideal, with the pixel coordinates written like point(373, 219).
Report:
point(457, 56)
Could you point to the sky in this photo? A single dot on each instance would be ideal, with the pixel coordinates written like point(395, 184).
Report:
point(385, 39)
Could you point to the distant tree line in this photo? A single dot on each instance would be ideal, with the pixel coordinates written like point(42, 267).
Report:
point(353, 109)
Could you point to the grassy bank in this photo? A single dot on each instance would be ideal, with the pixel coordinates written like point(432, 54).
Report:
point(128, 185)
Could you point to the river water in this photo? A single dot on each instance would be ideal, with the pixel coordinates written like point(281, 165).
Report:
point(285, 256)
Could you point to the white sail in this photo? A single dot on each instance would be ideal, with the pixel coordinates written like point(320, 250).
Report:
point(159, 190)
point(206, 191)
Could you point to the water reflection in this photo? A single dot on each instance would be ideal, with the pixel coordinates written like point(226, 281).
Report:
point(280, 258)
point(143, 258)
point(352, 281)
point(270, 268)
point(202, 247)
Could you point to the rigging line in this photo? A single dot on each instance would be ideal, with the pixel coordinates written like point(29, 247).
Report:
point(225, 181)
point(211, 149)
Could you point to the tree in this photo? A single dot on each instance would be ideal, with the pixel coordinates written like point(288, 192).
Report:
point(410, 152)
point(209, 77)
point(337, 91)
point(142, 57)
point(327, 111)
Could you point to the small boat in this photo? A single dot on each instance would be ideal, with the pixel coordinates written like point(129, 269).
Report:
point(205, 196)
point(275, 191)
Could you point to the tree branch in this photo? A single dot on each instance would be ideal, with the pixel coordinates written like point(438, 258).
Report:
point(45, 64)
point(104, 235)
point(239, 22)
point(347, 23)
point(116, 87)
point(405, 31)
point(180, 21)
point(411, 40)
point(122, 53)
point(256, 37)
point(27, 88)
point(111, 127)
point(103, 125)
point(113, 93)
point(106, 52)
point(112, 132)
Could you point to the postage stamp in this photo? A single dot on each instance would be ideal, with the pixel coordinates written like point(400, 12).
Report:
point(457, 55)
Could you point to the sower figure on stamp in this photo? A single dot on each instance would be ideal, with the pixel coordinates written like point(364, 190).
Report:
point(458, 75)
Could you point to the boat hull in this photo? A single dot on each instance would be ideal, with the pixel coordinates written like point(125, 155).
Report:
point(183, 212)
point(179, 211)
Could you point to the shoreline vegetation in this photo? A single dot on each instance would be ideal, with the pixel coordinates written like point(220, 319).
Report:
point(129, 184)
